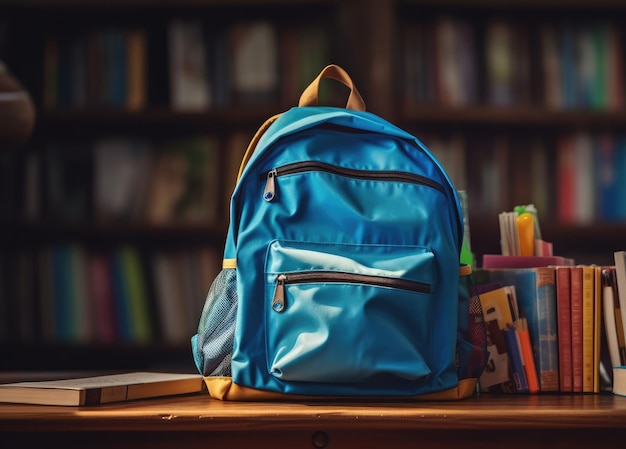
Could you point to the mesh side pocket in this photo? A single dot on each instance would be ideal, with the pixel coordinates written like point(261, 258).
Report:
point(472, 334)
point(212, 346)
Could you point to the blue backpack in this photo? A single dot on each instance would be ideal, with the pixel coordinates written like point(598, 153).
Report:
point(341, 267)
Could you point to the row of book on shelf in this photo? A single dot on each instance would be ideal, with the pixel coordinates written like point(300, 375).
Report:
point(573, 178)
point(580, 64)
point(121, 180)
point(70, 294)
point(552, 325)
point(190, 65)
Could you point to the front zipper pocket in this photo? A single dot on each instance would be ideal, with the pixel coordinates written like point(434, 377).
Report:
point(271, 176)
point(307, 277)
point(340, 313)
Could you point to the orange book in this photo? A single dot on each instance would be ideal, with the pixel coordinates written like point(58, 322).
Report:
point(563, 307)
point(136, 69)
point(527, 355)
point(587, 328)
point(576, 293)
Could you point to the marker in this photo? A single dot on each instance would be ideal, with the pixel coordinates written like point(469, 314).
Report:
point(526, 234)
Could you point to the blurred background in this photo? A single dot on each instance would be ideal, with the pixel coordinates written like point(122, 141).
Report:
point(114, 196)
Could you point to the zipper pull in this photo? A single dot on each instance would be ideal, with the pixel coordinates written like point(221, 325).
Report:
point(270, 186)
point(278, 303)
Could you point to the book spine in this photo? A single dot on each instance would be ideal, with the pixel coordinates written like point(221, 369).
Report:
point(577, 331)
point(566, 179)
point(537, 301)
point(527, 355)
point(546, 309)
point(102, 296)
point(515, 358)
point(597, 326)
point(587, 332)
point(136, 69)
point(619, 327)
point(135, 287)
point(564, 328)
point(123, 314)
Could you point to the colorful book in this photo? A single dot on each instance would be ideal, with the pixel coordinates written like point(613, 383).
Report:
point(536, 296)
point(101, 292)
point(134, 284)
point(597, 326)
point(587, 332)
point(563, 306)
point(64, 304)
point(121, 299)
point(188, 67)
point(497, 314)
point(527, 355)
point(136, 69)
point(576, 307)
point(174, 327)
point(566, 179)
point(518, 372)
point(254, 51)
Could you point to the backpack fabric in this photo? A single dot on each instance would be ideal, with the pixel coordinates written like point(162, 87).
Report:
point(341, 274)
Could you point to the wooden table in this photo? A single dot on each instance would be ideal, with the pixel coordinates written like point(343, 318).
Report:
point(589, 421)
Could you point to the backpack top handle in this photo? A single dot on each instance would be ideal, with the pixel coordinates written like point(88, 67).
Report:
point(310, 95)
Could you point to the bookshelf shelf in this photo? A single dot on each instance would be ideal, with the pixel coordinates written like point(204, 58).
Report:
point(163, 119)
point(536, 117)
point(88, 357)
point(561, 5)
point(138, 232)
point(151, 4)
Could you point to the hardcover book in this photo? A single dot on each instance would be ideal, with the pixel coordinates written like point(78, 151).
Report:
point(101, 389)
point(588, 332)
point(576, 309)
point(564, 320)
point(620, 276)
point(536, 297)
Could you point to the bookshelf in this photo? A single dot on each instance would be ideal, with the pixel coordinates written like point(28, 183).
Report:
point(73, 118)
point(143, 110)
point(516, 102)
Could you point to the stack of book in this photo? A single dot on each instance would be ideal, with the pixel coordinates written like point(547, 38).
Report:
point(571, 315)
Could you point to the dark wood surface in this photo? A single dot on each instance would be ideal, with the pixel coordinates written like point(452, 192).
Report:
point(196, 421)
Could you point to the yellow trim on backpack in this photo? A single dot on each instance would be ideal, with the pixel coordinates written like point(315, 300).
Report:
point(229, 263)
point(465, 270)
point(224, 389)
point(253, 143)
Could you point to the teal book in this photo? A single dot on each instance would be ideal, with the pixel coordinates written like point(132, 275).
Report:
point(64, 304)
point(536, 298)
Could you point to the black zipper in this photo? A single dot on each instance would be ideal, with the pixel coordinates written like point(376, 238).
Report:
point(278, 302)
point(380, 175)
